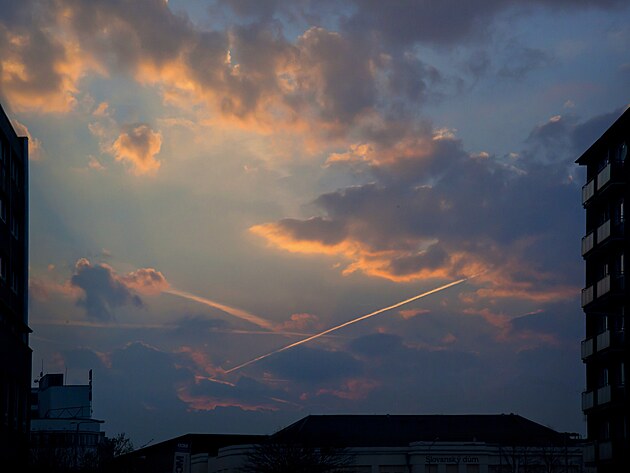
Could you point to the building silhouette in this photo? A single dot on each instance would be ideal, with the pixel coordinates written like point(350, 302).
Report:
point(15, 354)
point(606, 299)
point(490, 443)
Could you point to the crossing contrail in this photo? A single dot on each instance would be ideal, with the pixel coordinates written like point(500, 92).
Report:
point(241, 314)
point(350, 322)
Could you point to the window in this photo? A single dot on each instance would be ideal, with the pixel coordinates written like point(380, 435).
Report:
point(15, 172)
point(603, 377)
point(622, 374)
point(14, 282)
point(605, 430)
point(622, 152)
point(15, 227)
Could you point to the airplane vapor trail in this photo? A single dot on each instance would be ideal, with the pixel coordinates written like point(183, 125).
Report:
point(345, 324)
point(241, 314)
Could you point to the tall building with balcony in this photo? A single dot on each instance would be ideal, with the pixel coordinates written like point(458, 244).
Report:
point(15, 354)
point(606, 298)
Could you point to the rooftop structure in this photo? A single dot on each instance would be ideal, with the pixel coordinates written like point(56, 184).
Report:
point(63, 431)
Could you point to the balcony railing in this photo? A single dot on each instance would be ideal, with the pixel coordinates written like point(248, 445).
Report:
point(588, 400)
point(603, 395)
point(588, 190)
point(603, 177)
point(587, 295)
point(588, 242)
point(603, 231)
point(603, 340)
point(587, 348)
point(603, 285)
point(605, 450)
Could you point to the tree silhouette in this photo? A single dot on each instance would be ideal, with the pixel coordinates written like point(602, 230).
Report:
point(296, 458)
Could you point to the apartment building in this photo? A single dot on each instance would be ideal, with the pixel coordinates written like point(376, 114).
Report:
point(605, 299)
point(15, 354)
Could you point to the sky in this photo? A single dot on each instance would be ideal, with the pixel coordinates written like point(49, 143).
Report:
point(213, 181)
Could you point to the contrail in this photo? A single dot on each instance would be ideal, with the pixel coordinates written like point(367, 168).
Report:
point(350, 322)
point(241, 314)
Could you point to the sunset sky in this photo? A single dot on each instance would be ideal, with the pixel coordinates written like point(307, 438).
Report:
point(212, 181)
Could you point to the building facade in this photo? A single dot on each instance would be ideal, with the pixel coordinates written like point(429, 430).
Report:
point(605, 298)
point(15, 354)
point(63, 431)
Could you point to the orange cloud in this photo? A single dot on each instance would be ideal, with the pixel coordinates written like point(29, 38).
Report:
point(138, 146)
point(411, 313)
point(352, 389)
point(299, 322)
point(363, 258)
point(146, 281)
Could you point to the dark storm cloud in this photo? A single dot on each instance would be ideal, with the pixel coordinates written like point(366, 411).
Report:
point(433, 257)
point(103, 291)
point(314, 366)
point(437, 210)
point(316, 228)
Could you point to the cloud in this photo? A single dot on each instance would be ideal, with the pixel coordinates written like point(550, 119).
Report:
point(300, 322)
point(35, 150)
point(102, 288)
point(147, 281)
point(434, 210)
point(137, 146)
point(313, 366)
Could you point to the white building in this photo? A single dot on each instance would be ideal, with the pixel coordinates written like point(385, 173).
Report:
point(61, 421)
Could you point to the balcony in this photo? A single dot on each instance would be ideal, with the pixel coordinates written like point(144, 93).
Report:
point(603, 340)
point(603, 395)
point(603, 231)
point(603, 285)
point(587, 295)
point(587, 348)
point(588, 190)
point(588, 400)
point(610, 285)
point(605, 450)
point(603, 177)
point(588, 242)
